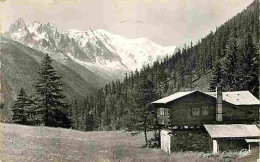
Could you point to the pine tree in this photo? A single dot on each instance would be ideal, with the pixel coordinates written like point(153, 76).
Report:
point(75, 115)
point(52, 109)
point(248, 66)
point(91, 119)
point(140, 117)
point(230, 66)
point(2, 105)
point(216, 76)
point(85, 109)
point(19, 109)
point(106, 117)
point(90, 122)
point(31, 111)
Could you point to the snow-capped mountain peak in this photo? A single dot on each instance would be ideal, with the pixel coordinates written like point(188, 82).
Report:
point(136, 52)
point(104, 53)
point(17, 25)
point(19, 30)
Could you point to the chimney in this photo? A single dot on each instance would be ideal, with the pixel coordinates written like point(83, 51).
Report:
point(219, 100)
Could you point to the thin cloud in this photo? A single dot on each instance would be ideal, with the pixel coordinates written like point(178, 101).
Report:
point(134, 21)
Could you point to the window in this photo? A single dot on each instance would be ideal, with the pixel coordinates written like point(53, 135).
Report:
point(162, 112)
point(166, 112)
point(163, 115)
point(195, 111)
point(205, 111)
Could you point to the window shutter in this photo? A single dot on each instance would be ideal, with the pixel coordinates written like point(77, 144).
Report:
point(166, 116)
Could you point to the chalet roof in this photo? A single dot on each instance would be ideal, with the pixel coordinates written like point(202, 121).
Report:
point(238, 97)
point(233, 131)
point(235, 97)
point(172, 97)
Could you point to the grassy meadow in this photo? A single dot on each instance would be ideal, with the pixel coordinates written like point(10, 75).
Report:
point(26, 143)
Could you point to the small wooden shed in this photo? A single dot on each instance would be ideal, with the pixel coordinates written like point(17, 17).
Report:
point(232, 136)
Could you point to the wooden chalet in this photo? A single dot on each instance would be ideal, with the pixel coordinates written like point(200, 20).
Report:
point(224, 119)
point(195, 108)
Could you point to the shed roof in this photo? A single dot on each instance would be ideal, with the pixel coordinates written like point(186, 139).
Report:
point(235, 97)
point(233, 131)
point(252, 140)
point(238, 97)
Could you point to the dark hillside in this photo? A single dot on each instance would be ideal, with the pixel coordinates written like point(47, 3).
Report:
point(227, 57)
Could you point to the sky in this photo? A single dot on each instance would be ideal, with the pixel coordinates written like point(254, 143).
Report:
point(166, 22)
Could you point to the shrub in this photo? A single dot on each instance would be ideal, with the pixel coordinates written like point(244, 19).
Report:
point(154, 142)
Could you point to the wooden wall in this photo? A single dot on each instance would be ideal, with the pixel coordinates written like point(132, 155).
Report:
point(254, 109)
point(188, 110)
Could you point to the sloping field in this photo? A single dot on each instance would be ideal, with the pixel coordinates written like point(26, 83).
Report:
point(25, 143)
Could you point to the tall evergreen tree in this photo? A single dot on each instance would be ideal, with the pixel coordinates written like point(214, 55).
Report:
point(248, 66)
point(216, 76)
point(84, 111)
point(230, 66)
point(31, 111)
point(140, 117)
point(19, 109)
point(52, 108)
point(75, 115)
point(2, 105)
point(90, 122)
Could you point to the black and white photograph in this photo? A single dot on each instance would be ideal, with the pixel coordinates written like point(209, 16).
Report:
point(129, 81)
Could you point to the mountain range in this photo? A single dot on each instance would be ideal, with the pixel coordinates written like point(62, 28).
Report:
point(107, 55)
point(86, 60)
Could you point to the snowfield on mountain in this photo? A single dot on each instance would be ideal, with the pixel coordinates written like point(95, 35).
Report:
point(105, 54)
